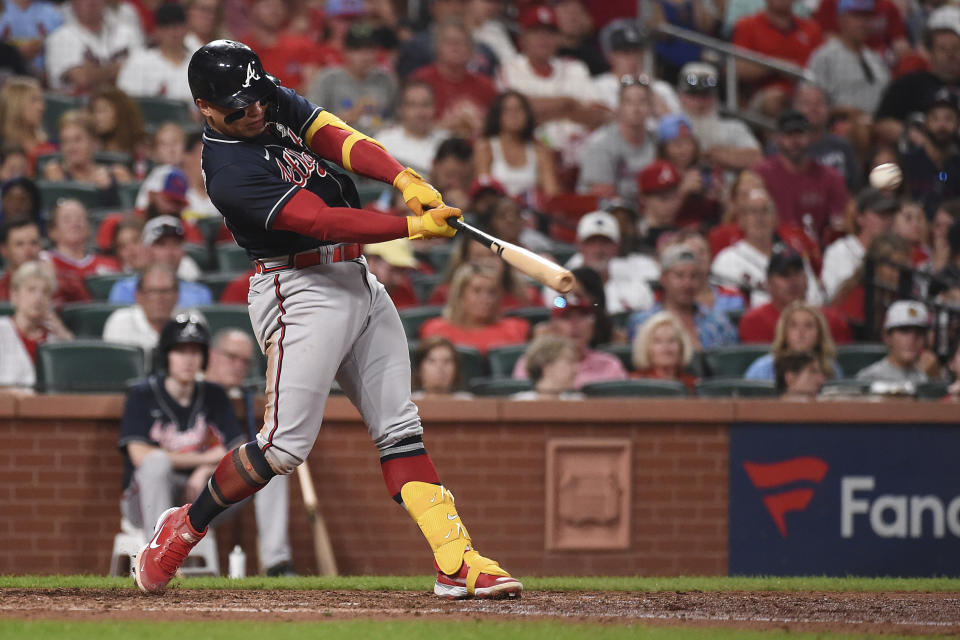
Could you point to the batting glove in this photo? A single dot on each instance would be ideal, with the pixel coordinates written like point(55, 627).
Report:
point(433, 223)
point(417, 192)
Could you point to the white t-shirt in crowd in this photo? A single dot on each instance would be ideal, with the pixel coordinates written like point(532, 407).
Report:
point(742, 265)
point(840, 261)
point(628, 285)
point(416, 153)
point(148, 72)
point(70, 45)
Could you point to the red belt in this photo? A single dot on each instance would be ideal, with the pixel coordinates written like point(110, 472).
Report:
point(304, 259)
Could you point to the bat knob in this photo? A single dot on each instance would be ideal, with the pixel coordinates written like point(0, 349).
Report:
point(564, 282)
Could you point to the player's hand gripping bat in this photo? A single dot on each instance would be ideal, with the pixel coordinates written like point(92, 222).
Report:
point(540, 269)
point(326, 562)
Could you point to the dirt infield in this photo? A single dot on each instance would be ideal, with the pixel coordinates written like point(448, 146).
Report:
point(884, 613)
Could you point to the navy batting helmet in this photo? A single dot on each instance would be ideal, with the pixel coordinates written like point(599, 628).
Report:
point(229, 74)
point(184, 329)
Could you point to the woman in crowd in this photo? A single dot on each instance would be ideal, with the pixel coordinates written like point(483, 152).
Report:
point(127, 246)
point(662, 350)
point(118, 123)
point(436, 369)
point(702, 186)
point(551, 365)
point(508, 152)
point(801, 328)
point(473, 314)
point(504, 219)
point(21, 119)
point(910, 223)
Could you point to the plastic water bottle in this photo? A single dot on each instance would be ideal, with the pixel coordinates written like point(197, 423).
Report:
point(238, 563)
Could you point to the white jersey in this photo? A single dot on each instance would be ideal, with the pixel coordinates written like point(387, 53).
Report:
point(16, 367)
point(742, 265)
point(840, 261)
point(71, 45)
point(628, 282)
point(148, 72)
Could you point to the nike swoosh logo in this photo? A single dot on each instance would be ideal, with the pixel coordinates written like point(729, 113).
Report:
point(153, 544)
point(452, 517)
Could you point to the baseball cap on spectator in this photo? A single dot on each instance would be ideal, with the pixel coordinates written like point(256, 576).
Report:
point(793, 122)
point(161, 227)
point(397, 253)
point(783, 260)
point(345, 8)
point(166, 179)
point(673, 126)
point(697, 77)
point(169, 14)
point(877, 201)
point(486, 183)
point(906, 313)
point(849, 6)
point(658, 176)
point(598, 223)
point(946, 18)
point(538, 17)
point(676, 254)
point(944, 97)
point(361, 36)
point(626, 37)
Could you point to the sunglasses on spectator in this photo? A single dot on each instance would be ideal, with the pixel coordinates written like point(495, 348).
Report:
point(630, 80)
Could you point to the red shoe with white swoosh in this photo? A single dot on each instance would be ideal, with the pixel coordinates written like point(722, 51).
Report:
point(172, 541)
point(478, 577)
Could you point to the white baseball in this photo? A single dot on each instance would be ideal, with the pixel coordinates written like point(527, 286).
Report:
point(886, 176)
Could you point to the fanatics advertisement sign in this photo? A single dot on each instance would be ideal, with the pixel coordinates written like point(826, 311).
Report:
point(845, 500)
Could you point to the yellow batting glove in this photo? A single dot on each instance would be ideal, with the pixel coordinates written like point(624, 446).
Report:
point(433, 223)
point(417, 192)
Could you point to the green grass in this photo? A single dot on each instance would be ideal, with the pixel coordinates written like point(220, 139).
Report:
point(376, 630)
point(425, 583)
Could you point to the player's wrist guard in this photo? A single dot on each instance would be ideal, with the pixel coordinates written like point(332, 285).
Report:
point(417, 192)
point(432, 224)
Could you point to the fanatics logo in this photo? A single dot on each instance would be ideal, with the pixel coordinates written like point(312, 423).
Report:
point(777, 475)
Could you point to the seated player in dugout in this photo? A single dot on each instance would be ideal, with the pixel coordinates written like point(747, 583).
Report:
point(272, 162)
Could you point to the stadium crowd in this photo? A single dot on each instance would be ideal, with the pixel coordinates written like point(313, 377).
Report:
point(707, 245)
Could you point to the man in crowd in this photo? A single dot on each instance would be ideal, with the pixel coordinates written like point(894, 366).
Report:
point(140, 324)
point(160, 70)
point(660, 201)
point(905, 334)
point(70, 232)
point(414, 140)
point(20, 242)
point(826, 148)
point(931, 169)
point(623, 44)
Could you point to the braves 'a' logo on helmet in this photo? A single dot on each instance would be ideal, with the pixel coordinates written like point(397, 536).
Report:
point(251, 75)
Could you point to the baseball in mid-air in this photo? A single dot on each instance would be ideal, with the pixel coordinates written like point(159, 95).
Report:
point(886, 176)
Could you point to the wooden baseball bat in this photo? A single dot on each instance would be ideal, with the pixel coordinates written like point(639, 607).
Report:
point(326, 562)
point(537, 267)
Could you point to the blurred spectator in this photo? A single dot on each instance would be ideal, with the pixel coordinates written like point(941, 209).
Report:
point(21, 118)
point(290, 57)
point(551, 365)
point(681, 279)
point(931, 169)
point(614, 154)
point(505, 220)
point(826, 148)
point(414, 140)
point(20, 199)
point(20, 243)
point(126, 247)
point(663, 350)
point(713, 297)
point(516, 291)
point(472, 316)
point(85, 54)
point(231, 356)
point(579, 316)
point(198, 202)
point(953, 390)
point(419, 50)
point(70, 234)
point(204, 23)
point(889, 253)
point(787, 281)
point(886, 31)
point(163, 241)
point(626, 278)
point(484, 18)
point(33, 323)
point(559, 89)
point(875, 211)
point(25, 24)
point(360, 92)
point(777, 32)
point(461, 97)
point(800, 328)
point(160, 70)
point(117, 122)
point(659, 201)
point(13, 164)
point(702, 185)
point(734, 10)
point(169, 144)
point(806, 193)
point(947, 214)
point(905, 334)
point(509, 154)
point(695, 15)
point(452, 171)
point(436, 369)
point(623, 45)
point(77, 145)
point(154, 304)
point(914, 92)
point(724, 141)
point(799, 376)
point(851, 73)
point(577, 35)
point(910, 223)
point(391, 262)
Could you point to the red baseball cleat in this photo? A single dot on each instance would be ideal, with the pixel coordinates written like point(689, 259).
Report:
point(486, 580)
point(172, 541)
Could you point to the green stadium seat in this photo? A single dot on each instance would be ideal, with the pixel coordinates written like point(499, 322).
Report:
point(113, 157)
point(934, 390)
point(562, 252)
point(200, 254)
point(99, 286)
point(209, 227)
point(370, 190)
point(54, 106)
point(620, 319)
point(533, 315)
point(158, 110)
point(733, 360)
point(413, 317)
point(233, 316)
point(231, 257)
point(438, 256)
point(498, 386)
point(622, 351)
point(473, 364)
point(503, 359)
point(854, 357)
point(87, 366)
point(638, 388)
point(218, 281)
point(424, 284)
point(6, 308)
point(51, 191)
point(128, 194)
point(86, 319)
point(735, 388)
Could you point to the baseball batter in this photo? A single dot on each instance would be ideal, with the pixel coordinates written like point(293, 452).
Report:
point(270, 162)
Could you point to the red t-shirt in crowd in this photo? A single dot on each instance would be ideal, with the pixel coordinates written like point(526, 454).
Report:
point(760, 324)
point(808, 199)
point(886, 24)
point(236, 292)
point(504, 332)
point(472, 87)
point(287, 58)
point(795, 45)
point(68, 290)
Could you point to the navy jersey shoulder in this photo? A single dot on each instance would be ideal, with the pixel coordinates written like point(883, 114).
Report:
point(250, 180)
